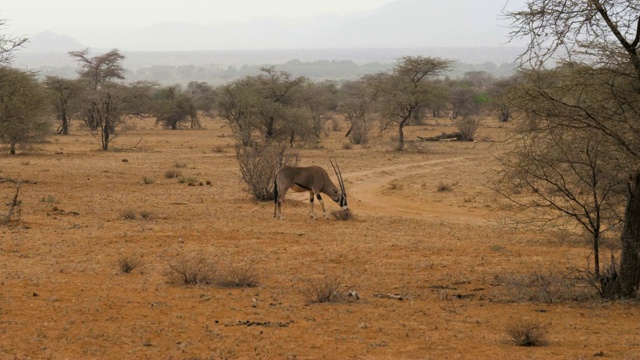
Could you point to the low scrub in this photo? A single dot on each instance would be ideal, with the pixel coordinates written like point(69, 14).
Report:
point(546, 287)
point(343, 215)
point(259, 164)
point(127, 263)
point(328, 289)
point(237, 276)
point(192, 269)
point(527, 333)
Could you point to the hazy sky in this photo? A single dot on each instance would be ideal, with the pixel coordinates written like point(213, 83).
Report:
point(33, 16)
point(119, 23)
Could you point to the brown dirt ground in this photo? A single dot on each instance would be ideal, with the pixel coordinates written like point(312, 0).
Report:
point(63, 296)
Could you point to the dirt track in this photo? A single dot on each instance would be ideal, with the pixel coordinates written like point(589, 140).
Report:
point(63, 295)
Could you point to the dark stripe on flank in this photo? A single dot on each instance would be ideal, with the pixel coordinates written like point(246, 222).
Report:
point(302, 186)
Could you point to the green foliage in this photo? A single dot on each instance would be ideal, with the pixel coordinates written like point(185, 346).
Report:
point(270, 104)
point(23, 108)
point(172, 108)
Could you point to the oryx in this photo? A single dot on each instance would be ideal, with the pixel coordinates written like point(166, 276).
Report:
point(313, 179)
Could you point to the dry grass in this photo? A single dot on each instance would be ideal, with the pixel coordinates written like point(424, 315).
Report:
point(237, 276)
point(411, 246)
point(527, 333)
point(193, 268)
point(327, 289)
point(343, 215)
point(128, 263)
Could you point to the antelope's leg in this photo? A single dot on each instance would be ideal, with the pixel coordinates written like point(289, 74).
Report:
point(311, 214)
point(324, 212)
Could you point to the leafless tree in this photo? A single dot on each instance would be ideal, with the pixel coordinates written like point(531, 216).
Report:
point(8, 44)
point(594, 93)
point(64, 94)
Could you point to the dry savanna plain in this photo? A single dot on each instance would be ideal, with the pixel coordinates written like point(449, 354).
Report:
point(431, 270)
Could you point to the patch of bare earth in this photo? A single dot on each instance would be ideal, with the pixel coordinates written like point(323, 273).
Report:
point(427, 268)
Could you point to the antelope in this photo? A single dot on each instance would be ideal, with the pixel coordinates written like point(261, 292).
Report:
point(313, 179)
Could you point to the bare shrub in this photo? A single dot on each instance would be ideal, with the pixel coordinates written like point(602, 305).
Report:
point(325, 290)
point(171, 174)
point(148, 180)
point(127, 263)
point(343, 215)
point(237, 276)
point(546, 287)
point(359, 133)
point(527, 333)
point(192, 269)
point(442, 187)
point(336, 125)
point(187, 180)
point(146, 215)
point(129, 214)
point(468, 127)
point(259, 164)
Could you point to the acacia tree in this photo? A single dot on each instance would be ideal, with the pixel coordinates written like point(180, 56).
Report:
point(270, 104)
point(64, 94)
point(23, 108)
point(107, 101)
point(498, 93)
point(597, 94)
point(319, 99)
point(96, 71)
point(203, 97)
point(172, 107)
point(407, 87)
point(356, 102)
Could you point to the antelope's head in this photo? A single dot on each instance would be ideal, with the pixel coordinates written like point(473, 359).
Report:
point(342, 199)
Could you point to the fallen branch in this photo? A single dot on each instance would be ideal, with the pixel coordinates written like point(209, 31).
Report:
point(442, 137)
point(13, 204)
point(391, 296)
point(3, 180)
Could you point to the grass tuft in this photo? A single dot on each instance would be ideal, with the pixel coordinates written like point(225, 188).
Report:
point(527, 333)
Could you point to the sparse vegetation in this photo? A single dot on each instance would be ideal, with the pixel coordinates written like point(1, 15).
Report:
point(548, 287)
point(325, 290)
point(467, 127)
point(443, 187)
point(127, 263)
point(50, 199)
point(527, 333)
point(148, 180)
point(342, 215)
point(237, 276)
point(172, 174)
point(192, 268)
point(259, 165)
point(188, 180)
point(129, 214)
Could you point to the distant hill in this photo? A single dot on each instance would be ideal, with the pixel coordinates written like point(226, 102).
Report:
point(49, 42)
point(398, 24)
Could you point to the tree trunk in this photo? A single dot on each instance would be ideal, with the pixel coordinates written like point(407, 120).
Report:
point(401, 133)
point(629, 277)
point(349, 131)
point(65, 125)
point(106, 136)
point(12, 148)
point(625, 284)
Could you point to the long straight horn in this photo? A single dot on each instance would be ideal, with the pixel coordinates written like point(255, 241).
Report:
point(336, 168)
